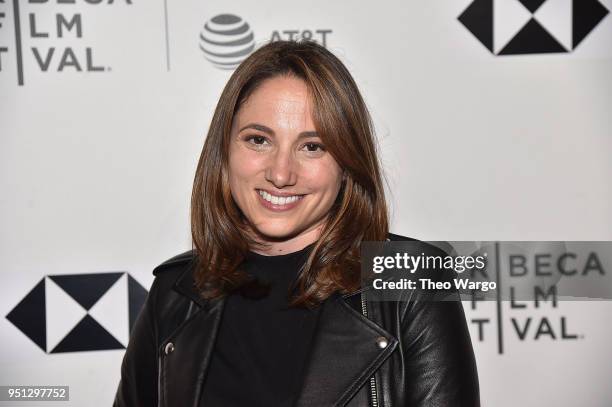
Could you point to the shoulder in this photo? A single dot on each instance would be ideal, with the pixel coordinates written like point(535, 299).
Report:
point(175, 277)
point(428, 248)
point(399, 238)
point(176, 263)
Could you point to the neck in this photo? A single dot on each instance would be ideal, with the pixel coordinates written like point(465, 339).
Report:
point(275, 247)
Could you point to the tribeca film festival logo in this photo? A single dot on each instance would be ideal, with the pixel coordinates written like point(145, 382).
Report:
point(49, 41)
point(227, 39)
point(515, 27)
point(80, 312)
point(534, 280)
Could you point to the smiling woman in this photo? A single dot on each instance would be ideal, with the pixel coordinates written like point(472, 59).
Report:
point(290, 123)
point(268, 308)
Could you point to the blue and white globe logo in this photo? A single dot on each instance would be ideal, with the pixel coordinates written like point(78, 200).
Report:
point(226, 40)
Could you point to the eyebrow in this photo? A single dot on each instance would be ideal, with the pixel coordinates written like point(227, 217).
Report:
point(269, 131)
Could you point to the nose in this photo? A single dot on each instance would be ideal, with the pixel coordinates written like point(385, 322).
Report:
point(280, 170)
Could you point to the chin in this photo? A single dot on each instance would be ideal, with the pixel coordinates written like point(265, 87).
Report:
point(277, 231)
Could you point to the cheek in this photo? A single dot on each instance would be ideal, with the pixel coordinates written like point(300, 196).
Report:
point(325, 176)
point(243, 169)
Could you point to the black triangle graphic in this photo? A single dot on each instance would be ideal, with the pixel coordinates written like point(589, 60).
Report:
point(532, 39)
point(532, 5)
point(586, 14)
point(478, 19)
point(29, 315)
point(136, 298)
point(87, 335)
point(86, 289)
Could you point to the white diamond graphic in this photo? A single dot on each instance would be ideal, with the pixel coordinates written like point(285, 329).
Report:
point(62, 313)
point(556, 17)
point(111, 310)
point(509, 16)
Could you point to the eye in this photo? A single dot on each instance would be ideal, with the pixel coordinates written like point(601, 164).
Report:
point(314, 147)
point(256, 140)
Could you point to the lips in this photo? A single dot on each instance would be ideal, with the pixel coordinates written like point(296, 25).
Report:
point(276, 202)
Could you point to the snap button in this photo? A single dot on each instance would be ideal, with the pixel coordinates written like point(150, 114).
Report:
point(169, 348)
point(382, 342)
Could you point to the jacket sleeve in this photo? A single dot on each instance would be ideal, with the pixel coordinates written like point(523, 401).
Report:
point(138, 384)
point(439, 360)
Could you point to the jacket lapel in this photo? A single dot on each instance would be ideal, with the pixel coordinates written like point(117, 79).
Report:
point(181, 374)
point(345, 353)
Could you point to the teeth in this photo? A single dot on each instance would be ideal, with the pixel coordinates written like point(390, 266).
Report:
point(277, 200)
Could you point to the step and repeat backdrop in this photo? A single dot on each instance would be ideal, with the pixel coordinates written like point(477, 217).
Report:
point(494, 120)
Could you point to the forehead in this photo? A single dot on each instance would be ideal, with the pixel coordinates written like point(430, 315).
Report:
point(282, 101)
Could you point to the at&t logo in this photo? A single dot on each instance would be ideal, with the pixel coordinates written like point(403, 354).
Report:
point(227, 39)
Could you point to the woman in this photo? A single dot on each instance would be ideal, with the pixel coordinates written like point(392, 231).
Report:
point(268, 309)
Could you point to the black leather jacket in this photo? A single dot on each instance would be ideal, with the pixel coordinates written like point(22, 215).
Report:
point(403, 353)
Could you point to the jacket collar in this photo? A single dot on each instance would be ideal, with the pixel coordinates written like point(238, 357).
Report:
point(185, 285)
point(344, 353)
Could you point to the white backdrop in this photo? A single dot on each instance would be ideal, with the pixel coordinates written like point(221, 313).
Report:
point(105, 106)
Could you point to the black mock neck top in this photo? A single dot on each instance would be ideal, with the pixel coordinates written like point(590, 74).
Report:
point(262, 344)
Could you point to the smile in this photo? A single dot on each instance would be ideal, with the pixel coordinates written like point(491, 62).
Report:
point(275, 202)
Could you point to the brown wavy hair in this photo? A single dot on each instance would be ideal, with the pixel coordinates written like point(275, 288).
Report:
point(220, 231)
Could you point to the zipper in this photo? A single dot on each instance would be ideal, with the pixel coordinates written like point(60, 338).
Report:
point(373, 392)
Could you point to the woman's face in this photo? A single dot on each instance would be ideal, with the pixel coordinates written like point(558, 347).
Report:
point(280, 174)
